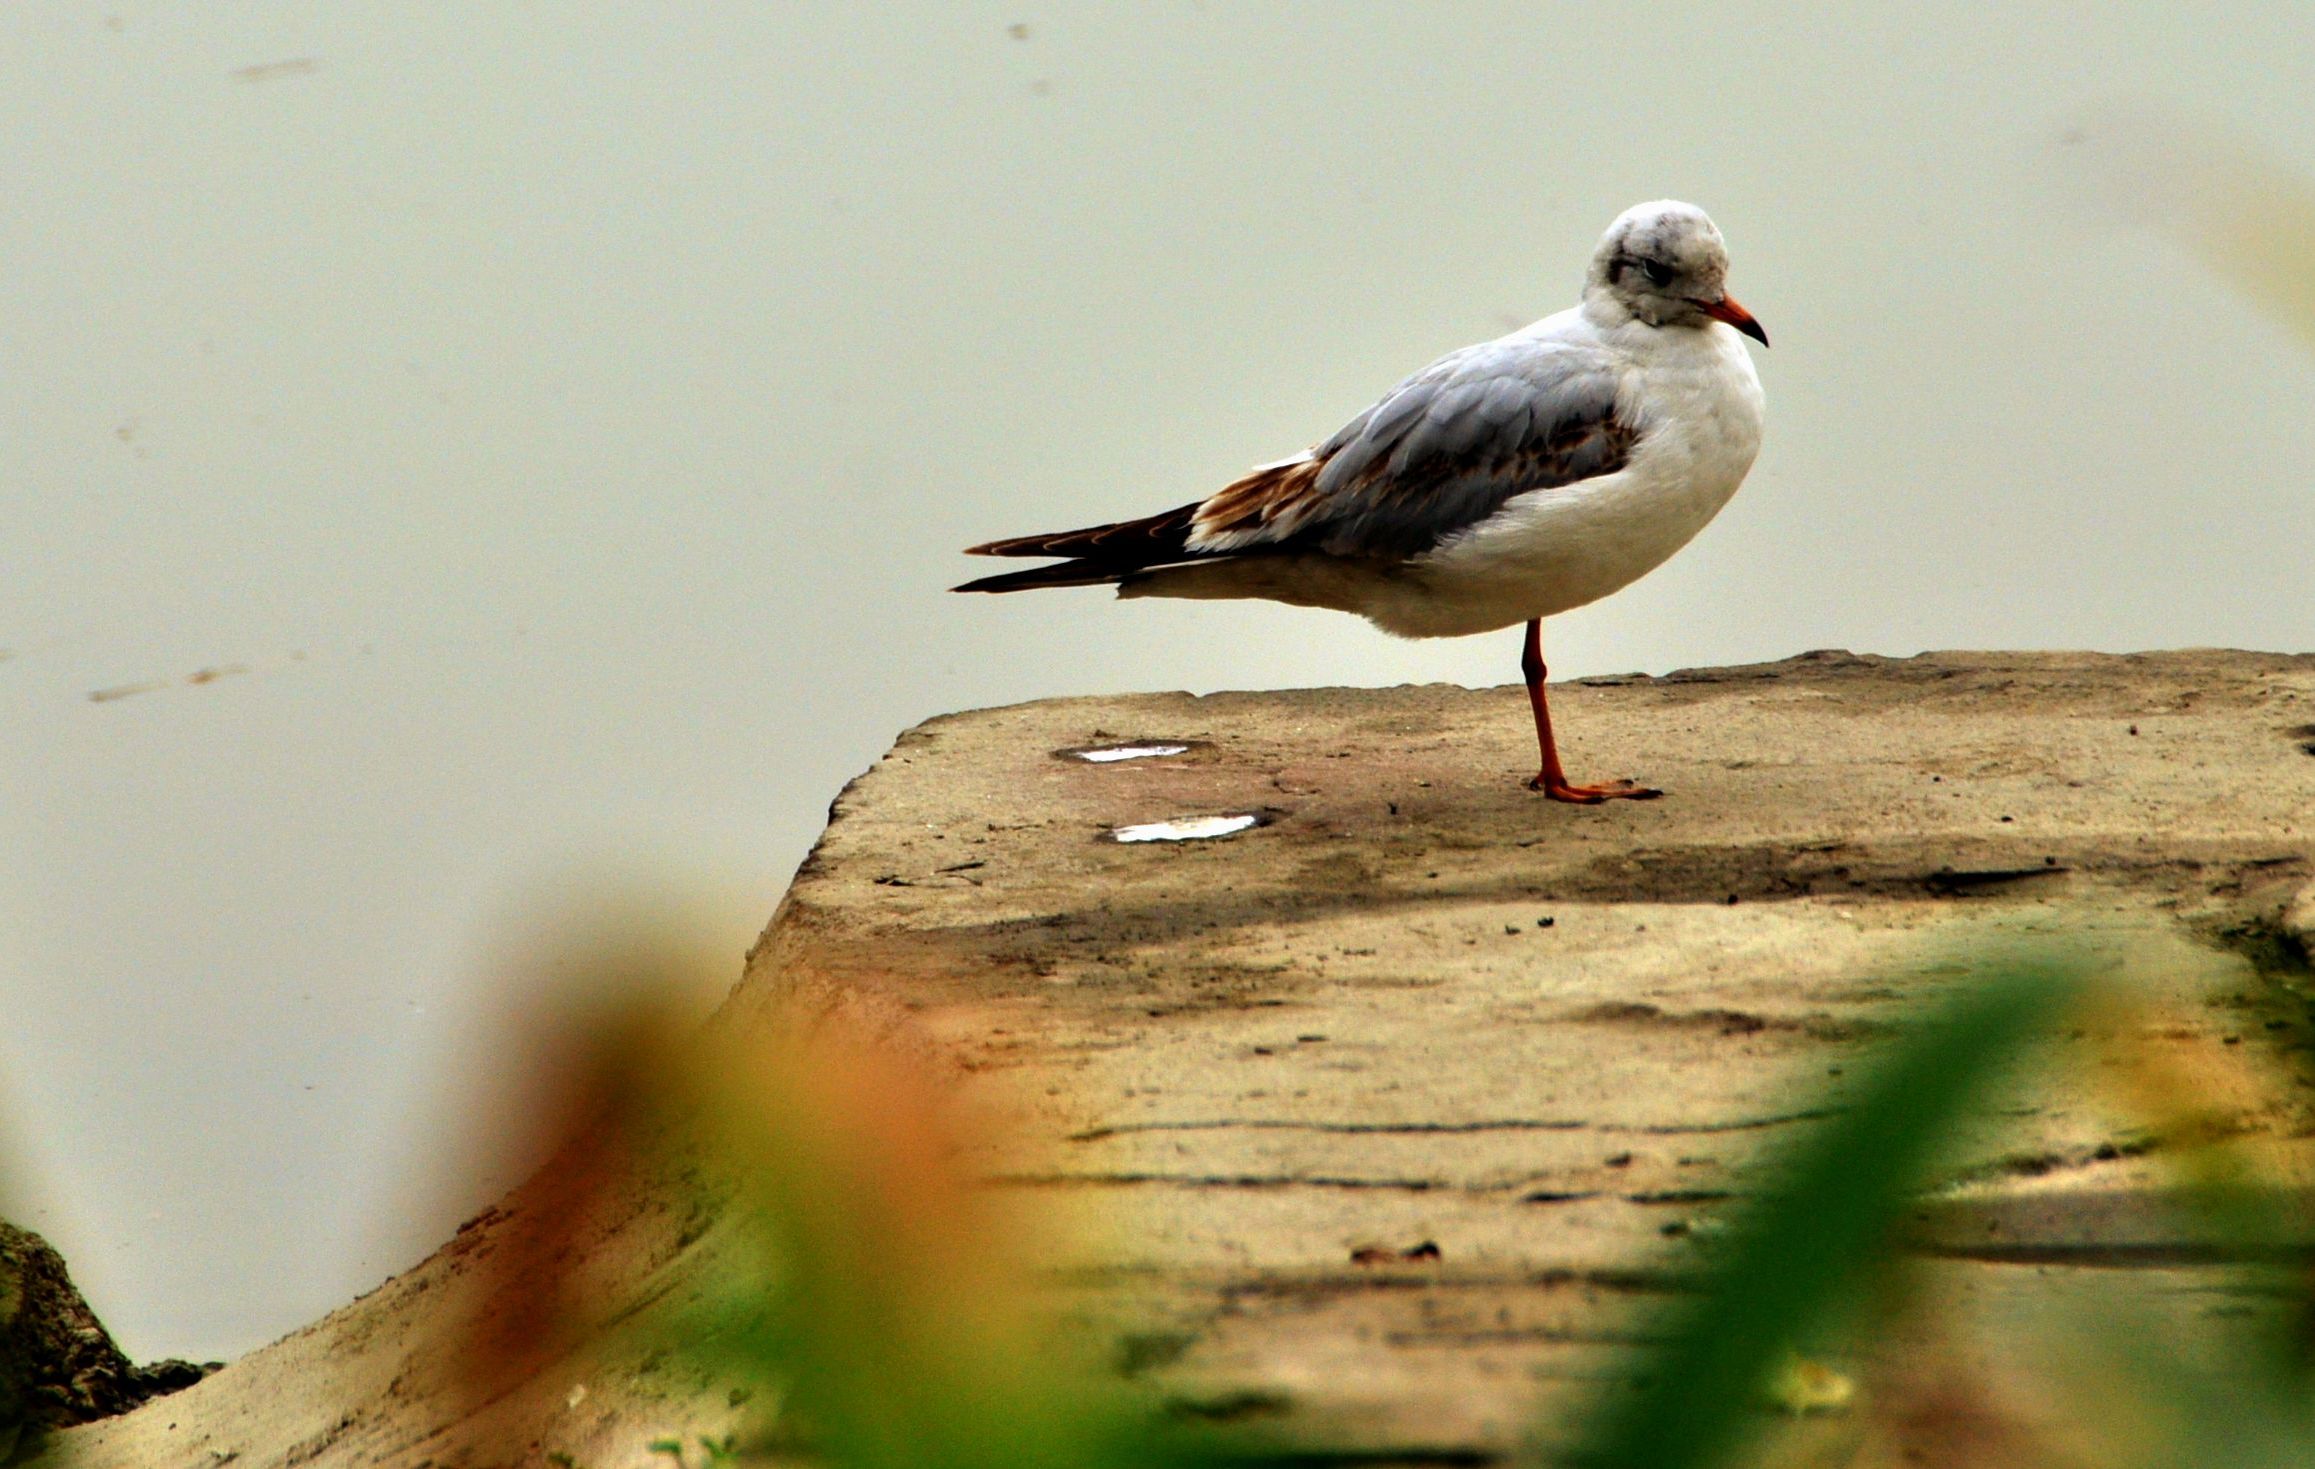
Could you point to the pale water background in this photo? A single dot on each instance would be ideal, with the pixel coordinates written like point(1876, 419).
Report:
point(558, 424)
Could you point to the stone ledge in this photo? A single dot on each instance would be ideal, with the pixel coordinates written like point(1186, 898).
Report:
point(1388, 1116)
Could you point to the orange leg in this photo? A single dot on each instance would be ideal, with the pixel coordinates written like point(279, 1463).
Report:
point(1552, 780)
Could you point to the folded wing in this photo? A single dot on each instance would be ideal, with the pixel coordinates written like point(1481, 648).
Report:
point(1436, 455)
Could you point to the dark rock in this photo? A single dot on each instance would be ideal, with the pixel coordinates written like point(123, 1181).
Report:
point(170, 1374)
point(58, 1365)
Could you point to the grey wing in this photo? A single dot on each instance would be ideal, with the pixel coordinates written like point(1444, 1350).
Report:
point(1438, 453)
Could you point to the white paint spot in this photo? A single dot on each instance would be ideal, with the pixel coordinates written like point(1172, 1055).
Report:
point(1115, 753)
point(1188, 829)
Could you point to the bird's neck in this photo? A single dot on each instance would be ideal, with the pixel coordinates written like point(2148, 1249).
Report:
point(1614, 318)
point(1603, 309)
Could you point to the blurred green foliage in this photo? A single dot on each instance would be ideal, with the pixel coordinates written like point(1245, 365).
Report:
point(882, 1317)
point(872, 1307)
point(1826, 1223)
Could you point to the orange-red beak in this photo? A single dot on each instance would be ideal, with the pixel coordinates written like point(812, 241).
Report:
point(1726, 309)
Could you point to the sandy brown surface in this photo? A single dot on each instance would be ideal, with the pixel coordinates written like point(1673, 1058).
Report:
point(1418, 1005)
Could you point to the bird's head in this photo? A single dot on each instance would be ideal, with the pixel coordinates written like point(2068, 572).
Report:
point(1664, 264)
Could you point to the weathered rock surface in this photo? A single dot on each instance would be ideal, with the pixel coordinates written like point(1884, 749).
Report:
point(1387, 1118)
point(58, 1364)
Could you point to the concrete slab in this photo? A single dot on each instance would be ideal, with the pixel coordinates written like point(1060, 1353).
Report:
point(1388, 1116)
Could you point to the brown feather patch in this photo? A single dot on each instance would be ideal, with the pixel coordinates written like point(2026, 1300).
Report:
point(1260, 500)
point(1273, 503)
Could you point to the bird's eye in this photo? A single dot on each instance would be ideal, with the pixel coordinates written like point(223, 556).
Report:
point(1659, 274)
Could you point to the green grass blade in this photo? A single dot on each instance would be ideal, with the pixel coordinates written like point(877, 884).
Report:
point(1815, 1236)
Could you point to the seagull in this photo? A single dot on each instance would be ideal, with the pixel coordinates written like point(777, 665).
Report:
point(1504, 483)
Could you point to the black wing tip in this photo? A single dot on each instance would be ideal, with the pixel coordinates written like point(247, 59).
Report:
point(1120, 542)
point(983, 584)
point(1037, 545)
point(1063, 574)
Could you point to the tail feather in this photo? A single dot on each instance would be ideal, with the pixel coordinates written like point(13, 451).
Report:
point(1124, 544)
point(1065, 574)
